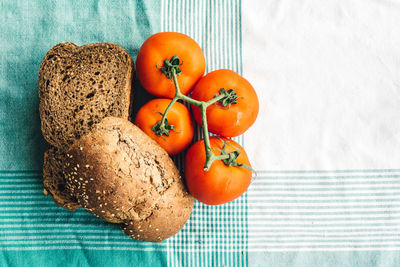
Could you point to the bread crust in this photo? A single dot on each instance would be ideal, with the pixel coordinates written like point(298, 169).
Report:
point(167, 218)
point(121, 175)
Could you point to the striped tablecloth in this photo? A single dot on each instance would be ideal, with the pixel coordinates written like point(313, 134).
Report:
point(326, 146)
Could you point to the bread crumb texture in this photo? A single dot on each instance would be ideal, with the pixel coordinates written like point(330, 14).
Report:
point(54, 182)
point(81, 85)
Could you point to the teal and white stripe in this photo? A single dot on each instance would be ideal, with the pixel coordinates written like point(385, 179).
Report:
point(29, 220)
point(320, 210)
point(354, 210)
point(214, 236)
point(288, 217)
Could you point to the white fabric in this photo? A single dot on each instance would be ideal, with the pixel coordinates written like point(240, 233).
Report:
point(327, 74)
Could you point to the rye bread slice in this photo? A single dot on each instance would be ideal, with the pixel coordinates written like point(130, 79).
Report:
point(53, 179)
point(81, 85)
point(121, 175)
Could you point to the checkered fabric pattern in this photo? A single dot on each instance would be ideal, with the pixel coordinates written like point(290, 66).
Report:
point(30, 221)
point(213, 234)
point(323, 70)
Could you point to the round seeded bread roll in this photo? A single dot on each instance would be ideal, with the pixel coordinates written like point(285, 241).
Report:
point(121, 175)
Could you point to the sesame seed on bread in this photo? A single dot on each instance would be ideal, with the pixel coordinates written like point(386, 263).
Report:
point(53, 179)
point(78, 87)
point(121, 175)
point(167, 217)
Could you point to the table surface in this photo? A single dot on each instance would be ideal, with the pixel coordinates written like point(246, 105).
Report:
point(325, 147)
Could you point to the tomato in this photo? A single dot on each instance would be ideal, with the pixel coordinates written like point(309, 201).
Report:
point(231, 120)
point(178, 116)
point(220, 184)
point(165, 45)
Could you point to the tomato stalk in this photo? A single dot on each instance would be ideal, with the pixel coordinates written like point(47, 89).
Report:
point(171, 70)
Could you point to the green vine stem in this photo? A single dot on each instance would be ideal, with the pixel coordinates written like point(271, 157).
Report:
point(171, 70)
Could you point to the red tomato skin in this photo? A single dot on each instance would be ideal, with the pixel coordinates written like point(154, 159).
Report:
point(232, 120)
point(165, 45)
point(220, 184)
point(178, 115)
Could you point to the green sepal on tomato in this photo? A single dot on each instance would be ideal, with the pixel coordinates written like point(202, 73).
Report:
point(232, 119)
point(171, 65)
point(221, 183)
point(164, 45)
point(178, 118)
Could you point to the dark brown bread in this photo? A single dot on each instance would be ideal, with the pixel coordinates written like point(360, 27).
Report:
point(81, 85)
point(53, 179)
point(121, 175)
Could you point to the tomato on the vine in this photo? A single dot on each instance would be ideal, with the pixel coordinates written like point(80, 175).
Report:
point(221, 183)
point(232, 119)
point(162, 46)
point(178, 116)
